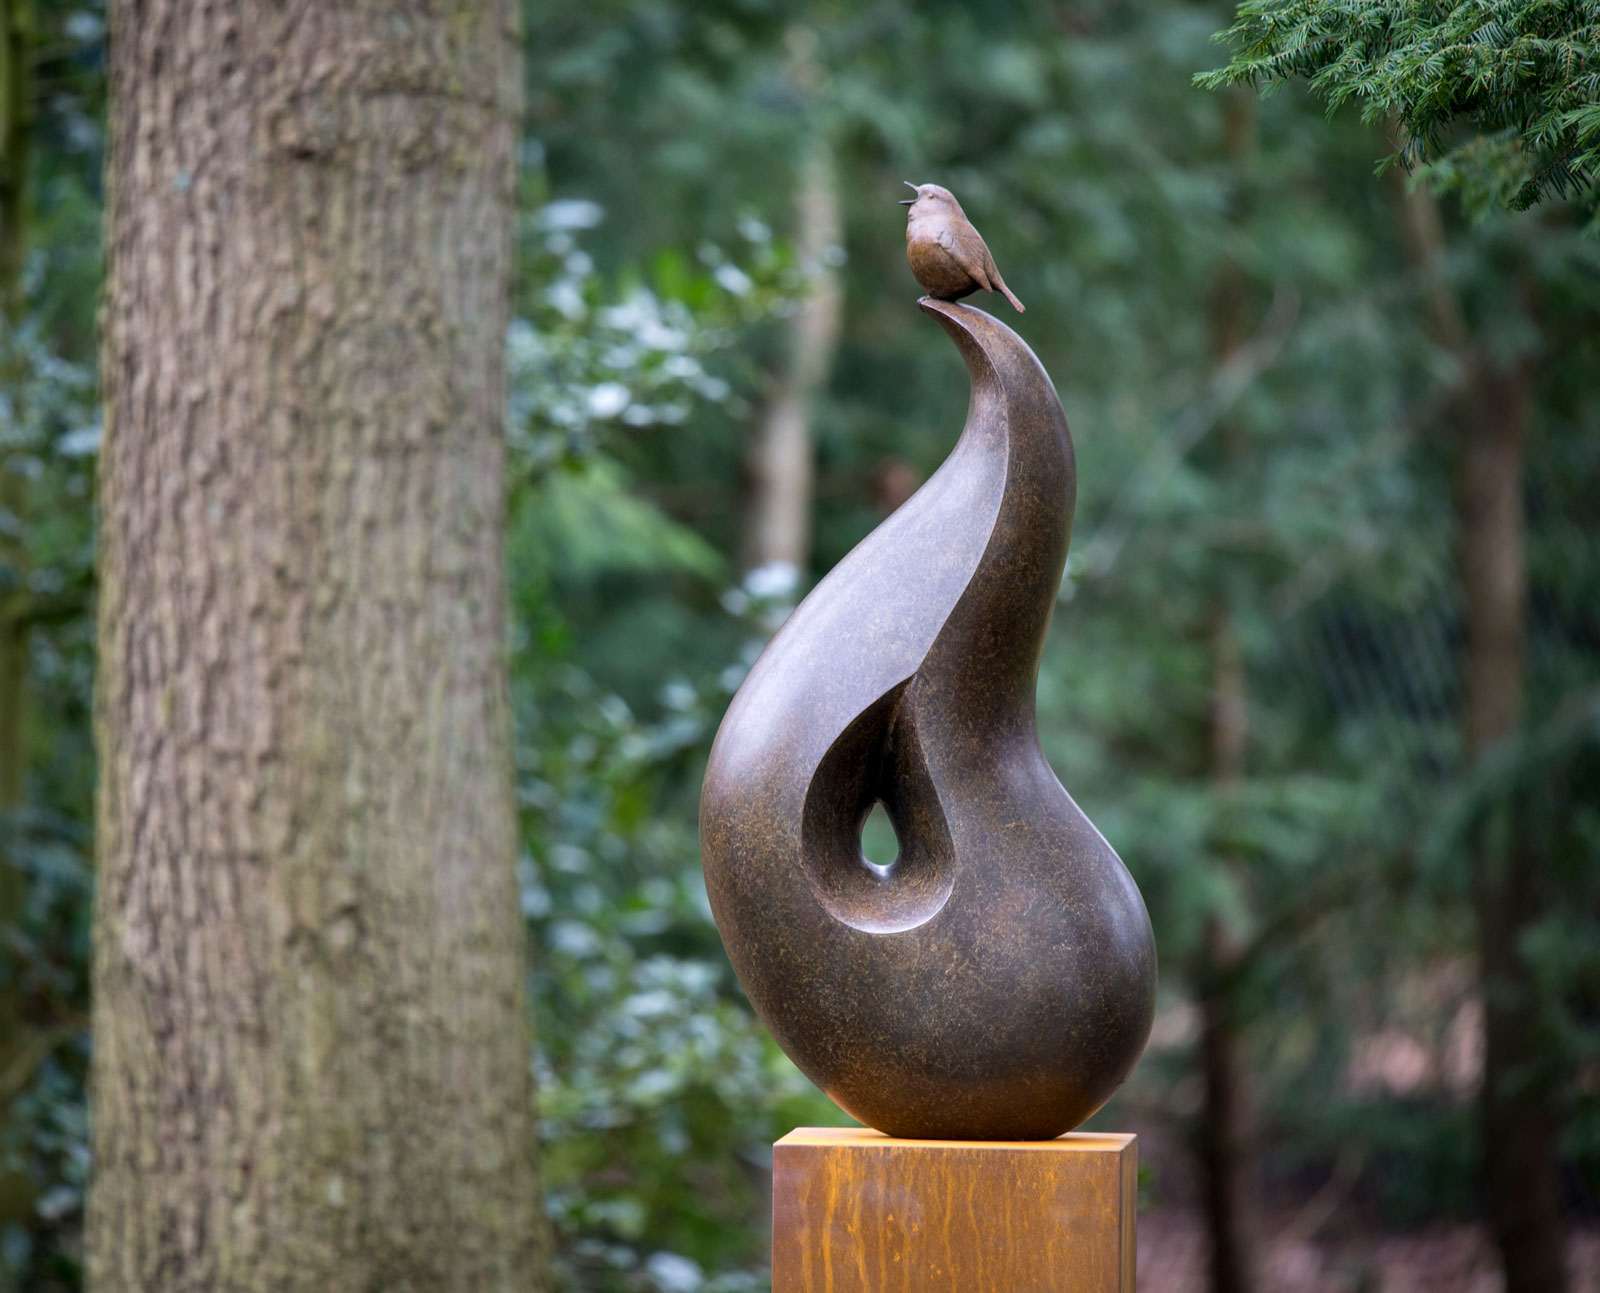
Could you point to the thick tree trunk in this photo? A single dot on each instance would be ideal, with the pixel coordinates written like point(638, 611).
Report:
point(1489, 416)
point(779, 463)
point(311, 1065)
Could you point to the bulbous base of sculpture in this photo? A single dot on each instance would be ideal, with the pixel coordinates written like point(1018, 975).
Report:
point(991, 1111)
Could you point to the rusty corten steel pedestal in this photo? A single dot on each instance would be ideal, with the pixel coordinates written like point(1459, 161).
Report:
point(857, 1212)
point(997, 981)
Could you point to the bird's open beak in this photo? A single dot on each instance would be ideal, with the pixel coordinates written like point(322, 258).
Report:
point(905, 202)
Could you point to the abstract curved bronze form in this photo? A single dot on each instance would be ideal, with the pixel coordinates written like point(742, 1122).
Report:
point(997, 980)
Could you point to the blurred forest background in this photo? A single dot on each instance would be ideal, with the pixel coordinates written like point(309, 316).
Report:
point(1325, 668)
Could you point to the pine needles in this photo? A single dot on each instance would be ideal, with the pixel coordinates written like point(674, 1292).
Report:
point(1497, 100)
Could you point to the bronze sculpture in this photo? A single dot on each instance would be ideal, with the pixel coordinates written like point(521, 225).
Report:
point(997, 980)
point(946, 253)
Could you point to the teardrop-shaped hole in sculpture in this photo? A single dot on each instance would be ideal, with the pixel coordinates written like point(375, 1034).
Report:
point(880, 845)
point(877, 762)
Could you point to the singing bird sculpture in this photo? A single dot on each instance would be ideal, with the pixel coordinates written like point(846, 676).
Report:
point(947, 255)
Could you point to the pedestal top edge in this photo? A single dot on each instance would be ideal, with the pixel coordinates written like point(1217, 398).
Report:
point(1074, 1142)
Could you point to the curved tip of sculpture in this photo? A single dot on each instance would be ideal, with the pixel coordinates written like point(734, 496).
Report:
point(990, 347)
point(966, 317)
point(952, 311)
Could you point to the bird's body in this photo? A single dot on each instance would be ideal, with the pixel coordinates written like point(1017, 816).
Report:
point(947, 255)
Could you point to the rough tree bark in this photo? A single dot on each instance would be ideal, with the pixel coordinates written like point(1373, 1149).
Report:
point(311, 1065)
point(1488, 417)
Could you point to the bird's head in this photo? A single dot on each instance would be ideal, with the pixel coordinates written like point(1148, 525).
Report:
point(930, 198)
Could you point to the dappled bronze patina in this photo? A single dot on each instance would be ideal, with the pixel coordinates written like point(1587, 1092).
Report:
point(997, 980)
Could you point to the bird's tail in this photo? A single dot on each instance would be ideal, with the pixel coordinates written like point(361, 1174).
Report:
point(1010, 295)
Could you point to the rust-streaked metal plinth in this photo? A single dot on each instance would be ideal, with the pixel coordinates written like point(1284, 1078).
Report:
point(855, 1211)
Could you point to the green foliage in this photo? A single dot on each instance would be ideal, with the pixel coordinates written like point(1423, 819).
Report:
point(1536, 797)
point(49, 429)
point(1525, 74)
point(660, 1093)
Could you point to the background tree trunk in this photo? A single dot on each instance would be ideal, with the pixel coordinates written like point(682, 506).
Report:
point(311, 1062)
point(1489, 415)
point(1227, 1134)
point(780, 469)
point(1520, 1130)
